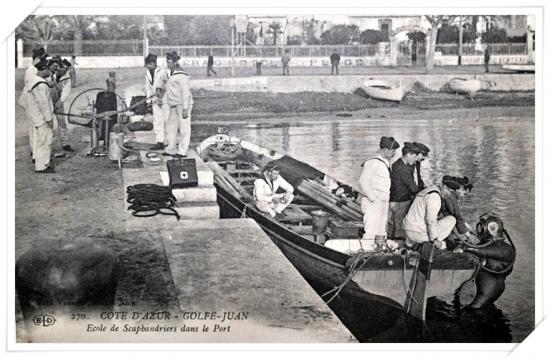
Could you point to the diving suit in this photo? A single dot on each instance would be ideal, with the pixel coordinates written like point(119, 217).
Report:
point(497, 259)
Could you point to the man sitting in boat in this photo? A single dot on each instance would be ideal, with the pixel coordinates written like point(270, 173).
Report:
point(462, 231)
point(421, 223)
point(265, 191)
point(403, 189)
point(375, 185)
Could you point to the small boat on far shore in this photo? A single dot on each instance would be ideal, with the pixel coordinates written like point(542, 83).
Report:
point(465, 86)
point(379, 89)
point(520, 68)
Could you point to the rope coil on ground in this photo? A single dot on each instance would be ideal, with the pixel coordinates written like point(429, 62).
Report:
point(148, 200)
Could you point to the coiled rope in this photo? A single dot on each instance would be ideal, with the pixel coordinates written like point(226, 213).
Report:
point(148, 200)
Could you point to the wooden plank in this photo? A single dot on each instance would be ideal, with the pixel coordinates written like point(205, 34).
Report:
point(329, 201)
point(220, 172)
point(415, 305)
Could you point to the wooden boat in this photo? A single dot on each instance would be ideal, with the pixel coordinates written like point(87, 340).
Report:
point(401, 280)
point(520, 68)
point(379, 89)
point(465, 86)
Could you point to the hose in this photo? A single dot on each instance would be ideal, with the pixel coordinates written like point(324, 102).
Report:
point(148, 200)
point(490, 242)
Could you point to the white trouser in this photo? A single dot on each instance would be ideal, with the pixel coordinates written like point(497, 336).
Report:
point(61, 123)
point(43, 139)
point(272, 208)
point(444, 227)
point(375, 217)
point(177, 125)
point(32, 135)
point(160, 116)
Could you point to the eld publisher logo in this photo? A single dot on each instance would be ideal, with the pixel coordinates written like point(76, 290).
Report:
point(43, 320)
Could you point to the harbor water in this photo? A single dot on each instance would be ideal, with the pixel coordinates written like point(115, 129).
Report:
point(497, 154)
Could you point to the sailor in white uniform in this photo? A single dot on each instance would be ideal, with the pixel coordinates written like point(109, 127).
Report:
point(265, 191)
point(37, 56)
point(39, 107)
point(180, 101)
point(155, 90)
point(61, 90)
point(375, 183)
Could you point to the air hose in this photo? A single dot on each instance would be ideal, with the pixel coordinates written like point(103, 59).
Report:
point(490, 242)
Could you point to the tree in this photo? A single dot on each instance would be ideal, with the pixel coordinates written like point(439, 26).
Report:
point(310, 29)
point(41, 30)
point(371, 37)
point(274, 29)
point(340, 35)
point(119, 27)
point(77, 27)
point(494, 35)
point(198, 30)
point(435, 22)
point(417, 36)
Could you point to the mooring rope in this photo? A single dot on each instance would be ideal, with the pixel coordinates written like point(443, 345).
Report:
point(148, 200)
point(354, 266)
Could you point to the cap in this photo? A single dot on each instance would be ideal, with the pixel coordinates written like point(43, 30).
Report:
point(56, 60)
point(42, 65)
point(151, 59)
point(409, 147)
point(423, 148)
point(388, 143)
point(455, 183)
point(172, 56)
point(39, 53)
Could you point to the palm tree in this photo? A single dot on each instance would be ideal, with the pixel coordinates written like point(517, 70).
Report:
point(274, 29)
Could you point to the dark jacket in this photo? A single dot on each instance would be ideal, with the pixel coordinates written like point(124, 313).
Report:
point(449, 206)
point(403, 186)
point(210, 60)
point(421, 185)
point(334, 58)
point(487, 56)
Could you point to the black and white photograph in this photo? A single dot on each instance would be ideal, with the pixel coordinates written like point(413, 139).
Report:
point(278, 177)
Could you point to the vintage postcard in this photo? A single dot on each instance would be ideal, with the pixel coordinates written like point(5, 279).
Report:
point(365, 176)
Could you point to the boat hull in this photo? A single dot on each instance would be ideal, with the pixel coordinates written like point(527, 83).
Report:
point(385, 282)
point(385, 93)
point(519, 68)
point(465, 86)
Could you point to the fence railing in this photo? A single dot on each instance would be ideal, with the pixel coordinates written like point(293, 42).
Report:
point(135, 48)
point(89, 48)
point(274, 51)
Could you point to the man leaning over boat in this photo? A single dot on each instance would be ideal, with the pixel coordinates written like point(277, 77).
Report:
point(421, 224)
point(265, 191)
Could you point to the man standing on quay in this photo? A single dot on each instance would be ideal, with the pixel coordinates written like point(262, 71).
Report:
point(155, 82)
point(180, 102)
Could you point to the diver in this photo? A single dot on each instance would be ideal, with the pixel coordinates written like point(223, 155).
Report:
point(497, 259)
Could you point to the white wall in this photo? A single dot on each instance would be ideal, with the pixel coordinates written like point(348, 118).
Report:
point(137, 61)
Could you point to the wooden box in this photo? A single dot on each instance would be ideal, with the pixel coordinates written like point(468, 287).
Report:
point(342, 229)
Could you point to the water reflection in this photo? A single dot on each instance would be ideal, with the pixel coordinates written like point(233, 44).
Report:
point(498, 156)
